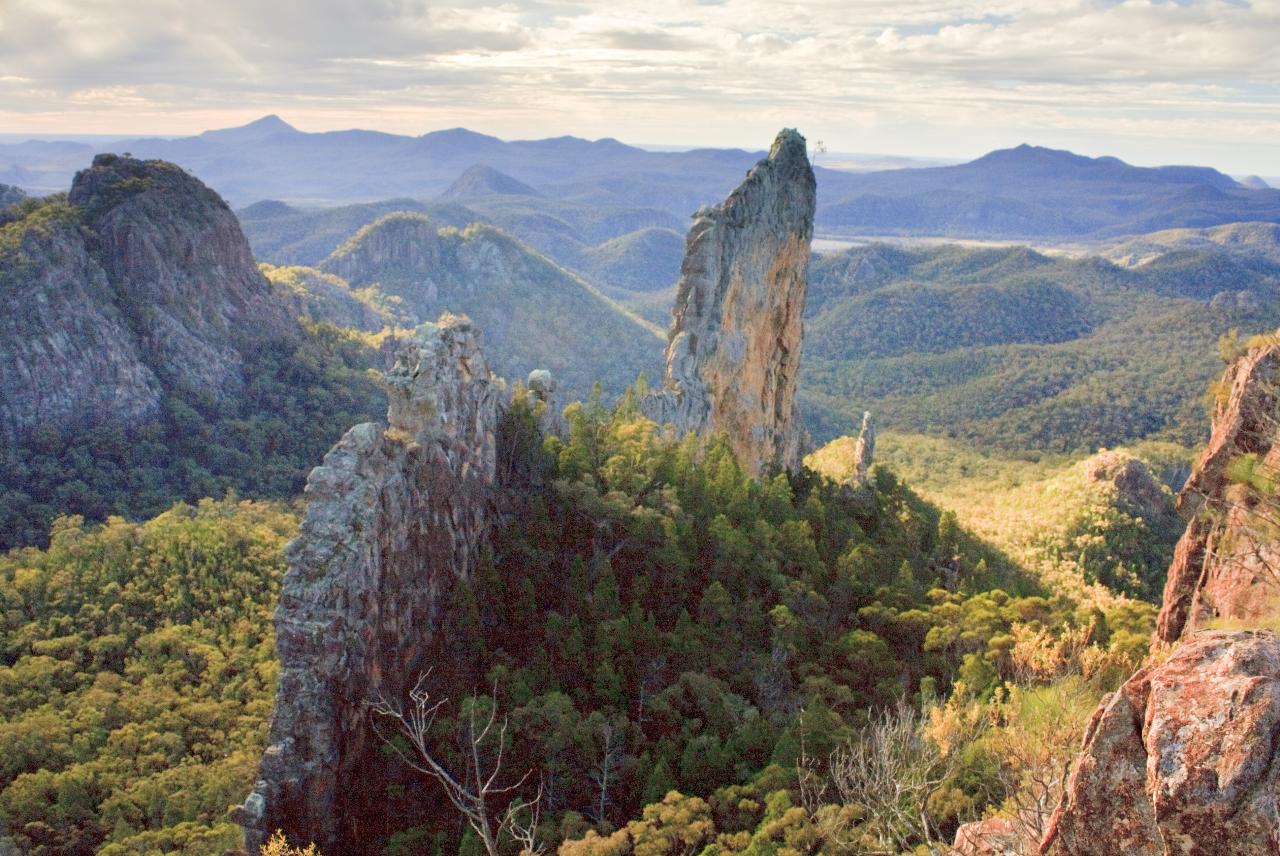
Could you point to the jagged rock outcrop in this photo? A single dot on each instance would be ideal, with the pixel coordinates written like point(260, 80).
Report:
point(994, 836)
point(1226, 564)
point(1182, 760)
point(181, 267)
point(68, 355)
point(141, 280)
point(734, 346)
point(395, 515)
point(1136, 488)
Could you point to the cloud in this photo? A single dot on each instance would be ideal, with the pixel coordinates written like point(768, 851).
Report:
point(710, 72)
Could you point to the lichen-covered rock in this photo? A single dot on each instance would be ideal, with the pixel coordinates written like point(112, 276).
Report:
point(395, 515)
point(1182, 761)
point(68, 357)
point(734, 346)
point(1224, 566)
point(995, 836)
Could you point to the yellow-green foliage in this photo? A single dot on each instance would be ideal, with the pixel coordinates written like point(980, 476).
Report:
point(279, 846)
point(1046, 514)
point(136, 675)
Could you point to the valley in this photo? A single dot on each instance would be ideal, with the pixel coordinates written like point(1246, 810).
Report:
point(592, 473)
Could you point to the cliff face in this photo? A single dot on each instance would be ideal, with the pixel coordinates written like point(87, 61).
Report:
point(1226, 565)
point(734, 347)
point(141, 279)
point(68, 356)
point(180, 266)
point(395, 515)
point(1182, 760)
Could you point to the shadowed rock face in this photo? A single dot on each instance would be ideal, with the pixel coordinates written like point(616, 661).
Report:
point(1182, 760)
point(1224, 567)
point(734, 347)
point(141, 280)
point(395, 515)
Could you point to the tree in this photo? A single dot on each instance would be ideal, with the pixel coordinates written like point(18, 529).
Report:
point(479, 784)
point(891, 768)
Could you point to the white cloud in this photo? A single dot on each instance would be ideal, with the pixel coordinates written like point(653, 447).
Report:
point(1174, 76)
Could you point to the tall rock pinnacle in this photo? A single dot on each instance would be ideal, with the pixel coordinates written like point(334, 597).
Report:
point(734, 347)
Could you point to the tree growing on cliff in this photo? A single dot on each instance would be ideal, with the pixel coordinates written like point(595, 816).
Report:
point(475, 789)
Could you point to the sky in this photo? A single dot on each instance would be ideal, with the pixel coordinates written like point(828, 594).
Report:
point(1152, 82)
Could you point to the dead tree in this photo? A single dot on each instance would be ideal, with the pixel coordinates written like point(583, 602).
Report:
point(491, 809)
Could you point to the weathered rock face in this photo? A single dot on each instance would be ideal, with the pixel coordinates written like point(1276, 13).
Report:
point(734, 346)
point(141, 279)
point(394, 516)
point(182, 269)
point(995, 836)
point(1183, 759)
point(1224, 567)
point(68, 356)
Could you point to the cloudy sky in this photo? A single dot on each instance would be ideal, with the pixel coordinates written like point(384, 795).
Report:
point(1153, 82)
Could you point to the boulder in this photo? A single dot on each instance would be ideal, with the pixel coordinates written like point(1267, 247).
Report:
point(1181, 761)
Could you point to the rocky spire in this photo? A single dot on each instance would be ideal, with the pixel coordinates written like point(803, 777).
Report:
point(734, 346)
point(395, 515)
point(1227, 563)
point(864, 449)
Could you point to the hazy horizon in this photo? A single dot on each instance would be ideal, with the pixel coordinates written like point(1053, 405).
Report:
point(1187, 82)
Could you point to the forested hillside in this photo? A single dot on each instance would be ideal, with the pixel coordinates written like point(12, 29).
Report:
point(1010, 349)
point(137, 667)
point(652, 621)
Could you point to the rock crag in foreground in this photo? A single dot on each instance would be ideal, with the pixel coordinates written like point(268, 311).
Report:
point(1182, 760)
point(734, 347)
point(395, 515)
point(1226, 565)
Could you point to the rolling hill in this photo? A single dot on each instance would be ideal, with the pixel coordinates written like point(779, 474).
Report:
point(533, 313)
point(1013, 350)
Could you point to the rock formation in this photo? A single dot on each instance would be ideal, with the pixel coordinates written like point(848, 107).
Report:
point(1226, 565)
point(734, 346)
point(994, 836)
point(142, 279)
point(1182, 760)
point(864, 449)
point(395, 515)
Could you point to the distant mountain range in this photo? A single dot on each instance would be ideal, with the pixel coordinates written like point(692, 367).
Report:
point(1027, 193)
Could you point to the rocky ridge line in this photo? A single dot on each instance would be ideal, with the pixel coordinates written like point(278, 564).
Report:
point(1225, 565)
